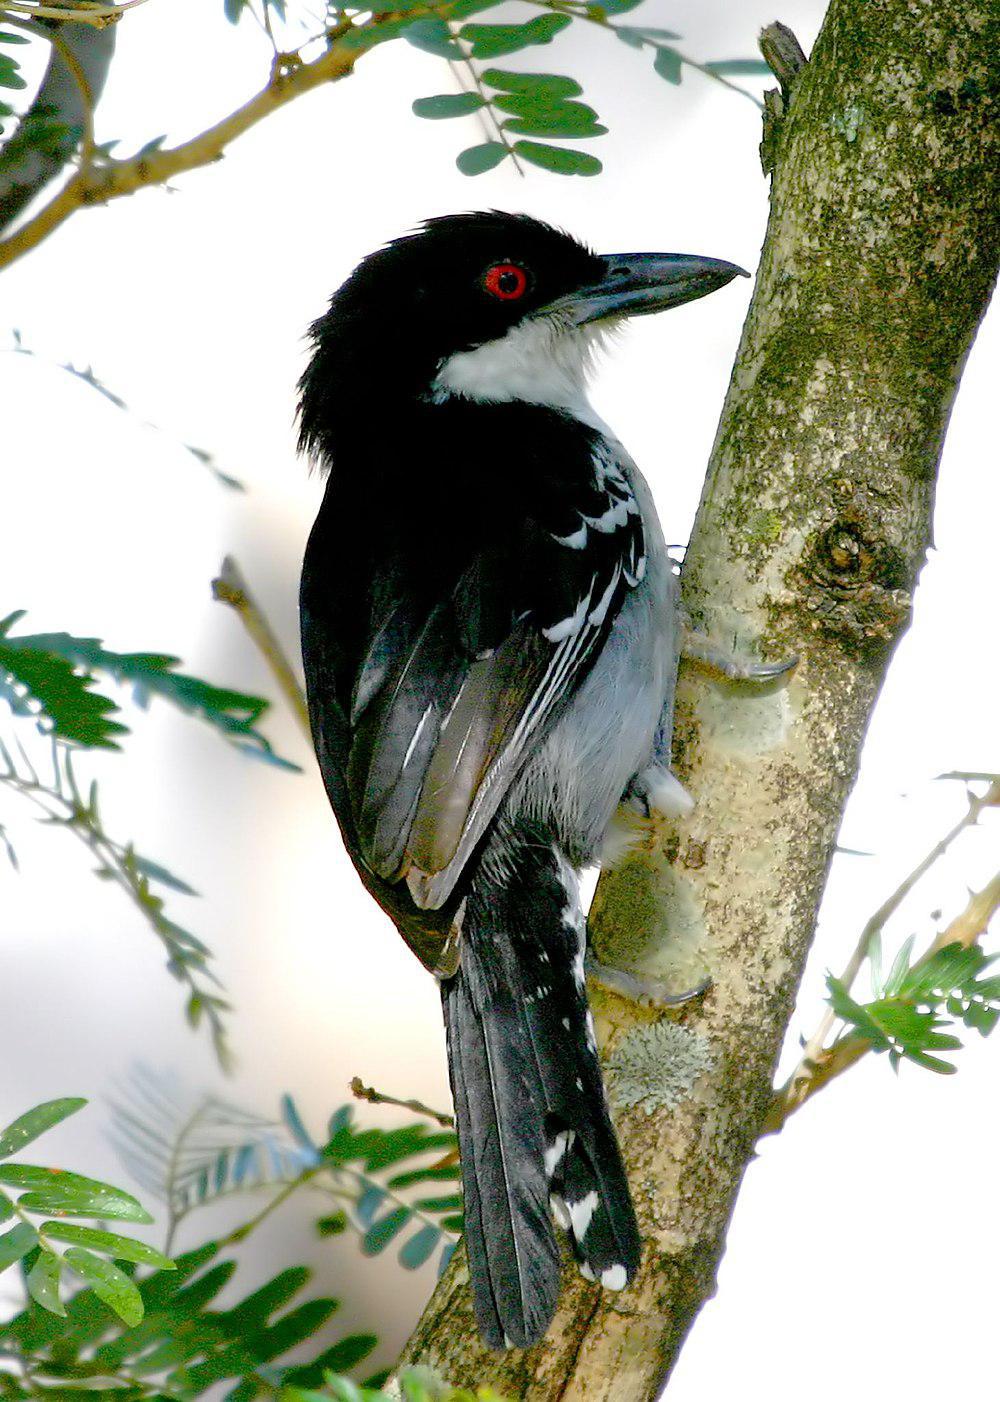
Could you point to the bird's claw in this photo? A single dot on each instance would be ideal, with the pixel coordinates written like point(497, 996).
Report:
point(648, 993)
point(725, 663)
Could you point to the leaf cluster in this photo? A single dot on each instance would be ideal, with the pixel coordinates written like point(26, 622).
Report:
point(64, 806)
point(28, 1191)
point(52, 676)
point(182, 1348)
point(392, 1187)
point(914, 1004)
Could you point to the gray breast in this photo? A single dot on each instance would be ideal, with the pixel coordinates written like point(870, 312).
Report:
point(609, 732)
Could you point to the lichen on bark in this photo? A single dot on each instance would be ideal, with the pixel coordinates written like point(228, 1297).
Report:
point(881, 252)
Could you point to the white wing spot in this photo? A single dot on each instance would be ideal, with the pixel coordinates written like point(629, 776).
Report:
point(558, 1209)
point(556, 1150)
point(580, 1214)
point(576, 541)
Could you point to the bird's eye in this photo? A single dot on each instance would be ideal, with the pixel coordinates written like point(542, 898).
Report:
point(506, 281)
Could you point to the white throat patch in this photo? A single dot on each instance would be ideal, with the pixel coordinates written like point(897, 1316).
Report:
point(542, 361)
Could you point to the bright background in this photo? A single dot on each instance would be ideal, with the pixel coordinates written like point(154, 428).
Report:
point(864, 1225)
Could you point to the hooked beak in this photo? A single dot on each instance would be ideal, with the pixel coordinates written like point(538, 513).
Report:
point(635, 284)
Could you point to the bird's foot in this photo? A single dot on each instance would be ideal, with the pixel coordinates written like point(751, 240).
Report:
point(648, 993)
point(725, 663)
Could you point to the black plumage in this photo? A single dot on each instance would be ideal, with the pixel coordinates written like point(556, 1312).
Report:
point(484, 584)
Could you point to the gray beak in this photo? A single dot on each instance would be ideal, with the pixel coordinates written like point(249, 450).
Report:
point(635, 284)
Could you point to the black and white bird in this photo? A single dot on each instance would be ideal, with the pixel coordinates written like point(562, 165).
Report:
point(490, 641)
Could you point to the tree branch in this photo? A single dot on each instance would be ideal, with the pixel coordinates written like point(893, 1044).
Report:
point(814, 1054)
point(289, 79)
point(61, 113)
point(231, 588)
point(881, 252)
point(828, 1063)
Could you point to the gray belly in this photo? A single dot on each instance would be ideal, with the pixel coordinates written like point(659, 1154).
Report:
point(609, 731)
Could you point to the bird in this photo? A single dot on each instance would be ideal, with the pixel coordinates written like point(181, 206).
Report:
point(489, 633)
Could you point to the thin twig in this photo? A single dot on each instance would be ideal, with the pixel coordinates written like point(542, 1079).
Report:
point(377, 1097)
point(501, 135)
point(68, 809)
point(231, 588)
point(820, 1065)
point(83, 13)
point(814, 1052)
point(594, 15)
point(113, 179)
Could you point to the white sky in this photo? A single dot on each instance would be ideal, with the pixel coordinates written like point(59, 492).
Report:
point(860, 1227)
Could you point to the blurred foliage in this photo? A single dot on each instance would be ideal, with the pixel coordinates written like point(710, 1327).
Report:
point(49, 682)
point(915, 1003)
point(28, 1191)
point(51, 677)
point(156, 1335)
point(63, 807)
point(391, 1187)
point(510, 107)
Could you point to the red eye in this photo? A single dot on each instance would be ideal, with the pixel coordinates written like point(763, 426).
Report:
point(506, 281)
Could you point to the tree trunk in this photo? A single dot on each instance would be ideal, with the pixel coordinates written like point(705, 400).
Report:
point(881, 251)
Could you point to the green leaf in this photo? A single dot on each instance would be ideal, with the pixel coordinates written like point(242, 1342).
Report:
point(36, 1122)
point(458, 104)
point(43, 1283)
point(442, 1204)
point(149, 674)
point(899, 970)
point(667, 64)
point(6, 1209)
point(57, 695)
point(292, 1118)
point(736, 67)
point(348, 1352)
point(433, 1174)
point(419, 1248)
point(562, 119)
point(368, 1204)
point(234, 9)
point(379, 1235)
point(475, 160)
point(432, 36)
point(52, 1190)
point(17, 1243)
point(111, 1286)
point(122, 1248)
point(8, 36)
point(542, 86)
point(493, 40)
point(615, 7)
point(332, 1225)
point(10, 76)
point(631, 36)
point(155, 872)
point(555, 159)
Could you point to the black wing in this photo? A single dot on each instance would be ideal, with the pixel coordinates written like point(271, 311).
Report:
point(475, 628)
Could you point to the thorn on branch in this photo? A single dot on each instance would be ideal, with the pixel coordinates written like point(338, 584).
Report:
point(783, 54)
point(786, 59)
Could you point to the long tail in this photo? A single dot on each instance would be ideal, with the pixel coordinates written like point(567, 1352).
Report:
point(535, 1137)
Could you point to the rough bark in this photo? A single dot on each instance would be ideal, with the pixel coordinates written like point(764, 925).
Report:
point(880, 255)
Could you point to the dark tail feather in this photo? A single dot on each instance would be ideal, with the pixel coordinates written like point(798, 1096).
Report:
point(533, 1125)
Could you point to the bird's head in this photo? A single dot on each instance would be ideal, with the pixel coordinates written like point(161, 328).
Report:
point(488, 306)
